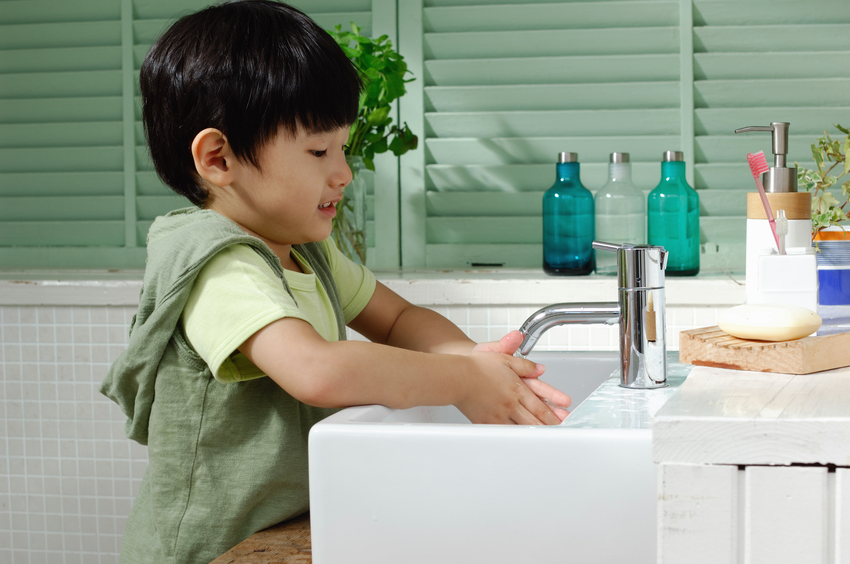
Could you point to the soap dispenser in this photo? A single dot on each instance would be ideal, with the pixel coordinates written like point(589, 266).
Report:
point(673, 217)
point(620, 211)
point(771, 277)
point(568, 223)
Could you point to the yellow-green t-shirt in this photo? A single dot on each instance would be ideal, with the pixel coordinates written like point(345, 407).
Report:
point(236, 294)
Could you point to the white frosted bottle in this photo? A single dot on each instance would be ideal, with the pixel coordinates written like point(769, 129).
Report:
point(620, 212)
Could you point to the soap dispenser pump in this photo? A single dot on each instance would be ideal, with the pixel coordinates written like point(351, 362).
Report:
point(771, 277)
point(779, 178)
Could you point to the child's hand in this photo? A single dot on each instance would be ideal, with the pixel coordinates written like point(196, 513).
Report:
point(556, 399)
point(496, 392)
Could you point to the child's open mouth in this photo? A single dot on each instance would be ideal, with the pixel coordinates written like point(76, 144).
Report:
point(328, 209)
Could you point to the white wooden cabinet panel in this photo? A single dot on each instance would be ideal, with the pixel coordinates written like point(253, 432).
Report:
point(697, 514)
point(842, 516)
point(785, 516)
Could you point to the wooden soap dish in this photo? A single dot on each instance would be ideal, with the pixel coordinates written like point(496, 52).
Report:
point(711, 346)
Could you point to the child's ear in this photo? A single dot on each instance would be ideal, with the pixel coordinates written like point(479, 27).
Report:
point(213, 157)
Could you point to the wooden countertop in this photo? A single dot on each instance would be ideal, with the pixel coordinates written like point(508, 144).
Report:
point(285, 543)
point(738, 417)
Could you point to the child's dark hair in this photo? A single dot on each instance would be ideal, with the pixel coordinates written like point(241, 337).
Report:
point(248, 68)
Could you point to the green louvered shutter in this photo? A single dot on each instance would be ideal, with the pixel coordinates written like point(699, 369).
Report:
point(77, 188)
point(758, 62)
point(509, 85)
point(62, 158)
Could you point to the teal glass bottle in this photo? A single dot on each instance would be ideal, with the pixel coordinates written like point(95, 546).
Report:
point(673, 217)
point(568, 222)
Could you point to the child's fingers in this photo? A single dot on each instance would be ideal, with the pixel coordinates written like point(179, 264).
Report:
point(510, 342)
point(559, 412)
point(546, 392)
point(525, 368)
point(536, 409)
point(506, 345)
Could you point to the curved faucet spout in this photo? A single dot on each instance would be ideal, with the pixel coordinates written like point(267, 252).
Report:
point(561, 314)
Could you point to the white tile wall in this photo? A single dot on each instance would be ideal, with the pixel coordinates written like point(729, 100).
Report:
point(67, 473)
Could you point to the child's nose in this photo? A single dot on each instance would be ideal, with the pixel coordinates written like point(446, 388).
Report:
point(342, 175)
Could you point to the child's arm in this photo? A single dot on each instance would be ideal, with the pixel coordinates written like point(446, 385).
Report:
point(486, 387)
point(390, 319)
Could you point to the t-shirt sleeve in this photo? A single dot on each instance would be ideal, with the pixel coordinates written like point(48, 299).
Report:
point(235, 295)
point(355, 283)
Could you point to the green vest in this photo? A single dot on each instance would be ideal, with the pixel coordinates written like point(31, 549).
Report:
point(225, 460)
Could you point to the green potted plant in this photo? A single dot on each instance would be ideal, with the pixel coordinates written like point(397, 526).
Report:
point(829, 215)
point(830, 157)
point(383, 71)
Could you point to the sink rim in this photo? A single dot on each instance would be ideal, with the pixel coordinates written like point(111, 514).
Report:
point(374, 415)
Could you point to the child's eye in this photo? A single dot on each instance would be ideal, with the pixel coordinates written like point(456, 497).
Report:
point(319, 153)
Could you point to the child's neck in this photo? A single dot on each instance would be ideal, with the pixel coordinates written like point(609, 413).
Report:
point(283, 251)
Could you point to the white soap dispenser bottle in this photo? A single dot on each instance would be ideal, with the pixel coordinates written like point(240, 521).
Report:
point(774, 278)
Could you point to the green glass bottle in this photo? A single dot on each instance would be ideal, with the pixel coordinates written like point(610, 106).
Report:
point(673, 217)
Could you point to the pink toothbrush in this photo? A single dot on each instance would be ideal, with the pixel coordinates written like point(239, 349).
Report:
point(758, 166)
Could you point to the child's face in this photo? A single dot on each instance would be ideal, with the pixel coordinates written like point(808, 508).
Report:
point(292, 200)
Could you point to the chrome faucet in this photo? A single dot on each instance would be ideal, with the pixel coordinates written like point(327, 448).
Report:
point(639, 310)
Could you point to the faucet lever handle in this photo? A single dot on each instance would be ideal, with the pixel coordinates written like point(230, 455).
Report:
point(602, 246)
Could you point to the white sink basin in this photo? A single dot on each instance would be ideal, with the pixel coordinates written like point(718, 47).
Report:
point(424, 485)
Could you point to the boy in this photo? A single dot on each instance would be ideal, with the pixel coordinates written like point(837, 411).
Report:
point(238, 345)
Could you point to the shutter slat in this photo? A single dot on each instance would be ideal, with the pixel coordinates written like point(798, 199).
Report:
point(505, 204)
point(54, 110)
point(569, 15)
point(61, 84)
point(732, 148)
point(60, 60)
point(61, 208)
point(101, 258)
point(62, 159)
point(552, 70)
point(32, 135)
point(149, 184)
point(765, 38)
point(59, 35)
point(615, 95)
point(61, 183)
point(554, 123)
point(33, 11)
point(529, 230)
point(735, 12)
point(541, 150)
point(551, 43)
point(149, 207)
point(809, 121)
point(528, 177)
point(62, 233)
point(780, 92)
point(719, 66)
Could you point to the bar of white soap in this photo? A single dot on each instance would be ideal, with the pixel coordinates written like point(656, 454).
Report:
point(764, 322)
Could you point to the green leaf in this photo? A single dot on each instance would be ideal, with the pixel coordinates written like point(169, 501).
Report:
point(822, 203)
point(842, 129)
point(384, 75)
point(403, 141)
point(816, 153)
point(846, 151)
